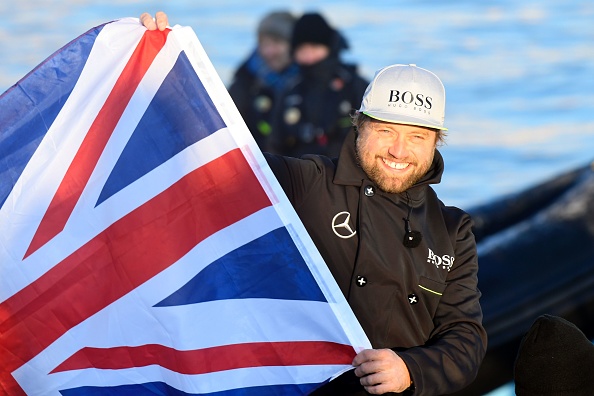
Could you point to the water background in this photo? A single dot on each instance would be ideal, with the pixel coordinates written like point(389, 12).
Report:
point(519, 76)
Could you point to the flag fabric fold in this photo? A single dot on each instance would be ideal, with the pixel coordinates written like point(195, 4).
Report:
point(146, 247)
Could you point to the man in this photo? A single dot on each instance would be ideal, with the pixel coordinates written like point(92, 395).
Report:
point(313, 116)
point(406, 263)
point(264, 75)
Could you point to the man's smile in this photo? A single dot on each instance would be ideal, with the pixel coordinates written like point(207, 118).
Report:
point(396, 165)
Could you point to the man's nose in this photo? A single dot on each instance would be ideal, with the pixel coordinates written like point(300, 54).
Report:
point(399, 147)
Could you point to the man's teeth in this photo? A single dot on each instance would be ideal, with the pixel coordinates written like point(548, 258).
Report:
point(395, 165)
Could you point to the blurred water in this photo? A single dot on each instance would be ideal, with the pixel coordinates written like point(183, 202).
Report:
point(518, 75)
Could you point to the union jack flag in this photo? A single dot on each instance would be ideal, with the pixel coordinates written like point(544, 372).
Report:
point(145, 246)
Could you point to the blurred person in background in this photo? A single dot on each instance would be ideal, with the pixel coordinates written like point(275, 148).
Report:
point(264, 74)
point(314, 112)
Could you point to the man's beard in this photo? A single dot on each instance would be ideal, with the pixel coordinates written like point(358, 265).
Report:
point(392, 185)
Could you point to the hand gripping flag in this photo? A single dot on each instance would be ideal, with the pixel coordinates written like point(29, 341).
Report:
point(145, 246)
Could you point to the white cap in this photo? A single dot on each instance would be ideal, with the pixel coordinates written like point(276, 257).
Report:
point(405, 94)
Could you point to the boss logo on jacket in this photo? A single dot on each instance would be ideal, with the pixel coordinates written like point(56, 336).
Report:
point(445, 262)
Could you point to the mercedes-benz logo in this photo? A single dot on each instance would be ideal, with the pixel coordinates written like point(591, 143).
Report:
point(341, 226)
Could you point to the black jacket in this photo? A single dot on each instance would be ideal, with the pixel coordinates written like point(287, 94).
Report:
point(314, 113)
point(256, 95)
point(422, 302)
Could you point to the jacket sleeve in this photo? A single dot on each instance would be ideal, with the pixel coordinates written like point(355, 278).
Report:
point(240, 90)
point(450, 359)
point(292, 174)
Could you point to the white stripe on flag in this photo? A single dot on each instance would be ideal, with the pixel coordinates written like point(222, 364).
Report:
point(199, 383)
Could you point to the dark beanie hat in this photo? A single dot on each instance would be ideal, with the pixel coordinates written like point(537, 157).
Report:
point(554, 358)
point(313, 28)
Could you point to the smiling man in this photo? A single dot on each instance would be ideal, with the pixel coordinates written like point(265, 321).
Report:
point(397, 134)
point(409, 268)
point(406, 263)
point(395, 156)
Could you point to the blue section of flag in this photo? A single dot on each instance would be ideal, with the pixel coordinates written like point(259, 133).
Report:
point(180, 114)
point(29, 108)
point(162, 389)
point(268, 267)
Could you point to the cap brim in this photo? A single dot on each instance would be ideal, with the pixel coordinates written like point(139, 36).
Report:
point(401, 119)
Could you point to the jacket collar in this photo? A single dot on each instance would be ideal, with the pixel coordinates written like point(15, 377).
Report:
point(348, 172)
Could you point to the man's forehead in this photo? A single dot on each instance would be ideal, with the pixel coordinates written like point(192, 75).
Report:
point(399, 127)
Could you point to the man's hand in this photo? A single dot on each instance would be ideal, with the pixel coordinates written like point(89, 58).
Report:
point(381, 371)
point(159, 22)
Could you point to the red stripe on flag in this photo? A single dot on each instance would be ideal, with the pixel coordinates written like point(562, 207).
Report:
point(209, 360)
point(125, 255)
point(94, 143)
